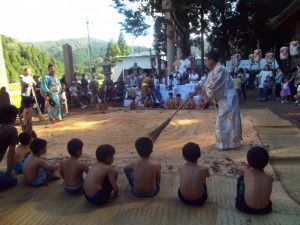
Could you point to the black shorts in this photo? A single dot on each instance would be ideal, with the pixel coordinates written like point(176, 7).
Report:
point(197, 202)
point(241, 205)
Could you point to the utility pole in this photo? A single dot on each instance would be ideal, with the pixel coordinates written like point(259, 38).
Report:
point(89, 50)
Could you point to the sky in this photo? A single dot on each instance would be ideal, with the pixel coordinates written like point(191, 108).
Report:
point(45, 20)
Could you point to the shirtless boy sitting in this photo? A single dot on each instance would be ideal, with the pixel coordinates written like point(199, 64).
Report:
point(102, 178)
point(254, 187)
point(72, 169)
point(192, 190)
point(37, 169)
point(22, 151)
point(144, 174)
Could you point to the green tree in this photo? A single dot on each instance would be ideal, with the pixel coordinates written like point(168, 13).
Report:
point(125, 50)
point(112, 50)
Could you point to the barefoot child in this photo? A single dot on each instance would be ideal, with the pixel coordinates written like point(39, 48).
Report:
point(144, 174)
point(102, 178)
point(22, 151)
point(190, 104)
point(37, 169)
point(26, 117)
point(72, 169)
point(64, 100)
point(254, 186)
point(192, 190)
point(170, 102)
point(178, 101)
point(133, 105)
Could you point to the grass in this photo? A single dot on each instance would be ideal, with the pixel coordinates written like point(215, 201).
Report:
point(14, 87)
point(15, 100)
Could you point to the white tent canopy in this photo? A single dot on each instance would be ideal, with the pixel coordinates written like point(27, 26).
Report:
point(245, 64)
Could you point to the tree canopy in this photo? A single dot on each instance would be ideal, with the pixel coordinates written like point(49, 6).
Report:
point(226, 24)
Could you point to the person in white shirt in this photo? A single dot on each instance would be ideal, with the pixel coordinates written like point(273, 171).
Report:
point(156, 82)
point(74, 94)
point(193, 77)
point(262, 77)
point(27, 83)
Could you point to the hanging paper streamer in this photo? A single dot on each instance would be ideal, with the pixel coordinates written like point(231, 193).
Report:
point(236, 59)
point(257, 55)
point(284, 52)
point(294, 48)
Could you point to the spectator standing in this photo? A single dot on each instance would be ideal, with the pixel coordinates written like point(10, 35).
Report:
point(278, 81)
point(262, 77)
point(37, 89)
point(26, 86)
point(84, 84)
point(243, 80)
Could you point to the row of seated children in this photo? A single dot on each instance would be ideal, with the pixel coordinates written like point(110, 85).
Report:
point(172, 103)
point(253, 189)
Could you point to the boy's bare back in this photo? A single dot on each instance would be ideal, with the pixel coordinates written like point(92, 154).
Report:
point(21, 152)
point(146, 173)
point(192, 180)
point(72, 170)
point(32, 165)
point(96, 176)
point(258, 187)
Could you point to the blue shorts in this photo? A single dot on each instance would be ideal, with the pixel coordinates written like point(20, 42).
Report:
point(18, 167)
point(130, 177)
point(74, 190)
point(41, 178)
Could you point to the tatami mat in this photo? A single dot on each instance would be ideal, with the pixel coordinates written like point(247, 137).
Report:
point(50, 205)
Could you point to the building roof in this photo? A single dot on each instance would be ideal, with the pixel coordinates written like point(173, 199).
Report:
point(140, 54)
point(290, 10)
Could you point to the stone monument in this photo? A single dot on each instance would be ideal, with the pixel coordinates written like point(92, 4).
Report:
point(68, 62)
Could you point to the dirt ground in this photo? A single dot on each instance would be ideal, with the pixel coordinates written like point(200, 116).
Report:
point(121, 127)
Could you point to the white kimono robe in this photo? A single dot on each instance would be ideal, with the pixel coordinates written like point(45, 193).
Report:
point(219, 86)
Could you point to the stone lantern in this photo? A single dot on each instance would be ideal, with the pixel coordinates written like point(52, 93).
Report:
point(135, 69)
point(107, 67)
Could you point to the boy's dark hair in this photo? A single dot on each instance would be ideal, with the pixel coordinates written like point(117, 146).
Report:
point(144, 146)
point(24, 138)
point(27, 101)
point(171, 94)
point(178, 95)
point(257, 157)
point(74, 145)
point(191, 151)
point(7, 112)
point(104, 151)
point(37, 145)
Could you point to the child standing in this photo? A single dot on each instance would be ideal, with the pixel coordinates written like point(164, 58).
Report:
point(143, 174)
point(22, 151)
point(237, 85)
point(64, 100)
point(254, 186)
point(285, 91)
point(102, 178)
point(192, 190)
point(26, 117)
point(72, 169)
point(178, 101)
point(297, 96)
point(37, 169)
point(170, 102)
